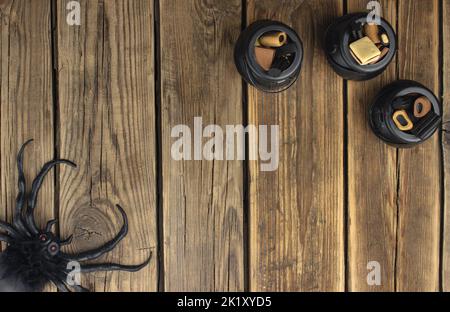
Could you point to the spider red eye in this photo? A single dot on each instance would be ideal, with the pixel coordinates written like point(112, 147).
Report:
point(53, 249)
point(43, 238)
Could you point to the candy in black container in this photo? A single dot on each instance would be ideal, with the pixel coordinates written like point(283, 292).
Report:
point(358, 49)
point(405, 113)
point(268, 55)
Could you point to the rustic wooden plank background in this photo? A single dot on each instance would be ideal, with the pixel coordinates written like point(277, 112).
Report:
point(202, 200)
point(392, 226)
point(297, 211)
point(372, 220)
point(26, 110)
point(107, 121)
point(107, 94)
point(419, 199)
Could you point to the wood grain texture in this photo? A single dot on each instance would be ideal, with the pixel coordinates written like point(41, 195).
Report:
point(419, 172)
point(297, 212)
point(202, 200)
point(446, 145)
point(25, 101)
point(107, 126)
point(372, 179)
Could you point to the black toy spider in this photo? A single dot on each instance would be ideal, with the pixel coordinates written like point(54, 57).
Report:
point(33, 257)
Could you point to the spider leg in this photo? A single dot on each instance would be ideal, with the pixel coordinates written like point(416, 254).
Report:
point(18, 213)
point(35, 190)
point(67, 241)
point(79, 288)
point(49, 225)
point(94, 254)
point(88, 268)
point(58, 280)
point(60, 285)
point(9, 229)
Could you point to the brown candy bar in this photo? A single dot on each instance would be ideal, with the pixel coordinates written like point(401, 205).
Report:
point(371, 31)
point(264, 57)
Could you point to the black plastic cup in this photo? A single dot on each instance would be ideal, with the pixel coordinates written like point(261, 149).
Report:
point(401, 95)
point(252, 72)
point(337, 40)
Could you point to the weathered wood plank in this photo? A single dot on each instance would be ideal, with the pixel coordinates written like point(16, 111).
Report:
point(446, 145)
point(26, 101)
point(419, 172)
point(107, 126)
point(297, 212)
point(372, 179)
point(202, 200)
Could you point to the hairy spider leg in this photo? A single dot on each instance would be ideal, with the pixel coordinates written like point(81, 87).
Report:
point(79, 288)
point(88, 268)
point(62, 287)
point(95, 253)
point(49, 225)
point(48, 229)
point(9, 229)
point(18, 220)
point(59, 281)
point(67, 241)
point(35, 190)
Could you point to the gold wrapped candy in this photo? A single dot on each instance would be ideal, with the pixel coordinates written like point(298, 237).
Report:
point(384, 39)
point(364, 50)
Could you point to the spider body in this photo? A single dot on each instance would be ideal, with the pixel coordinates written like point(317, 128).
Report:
point(33, 256)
